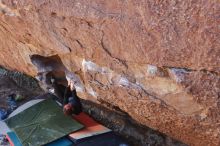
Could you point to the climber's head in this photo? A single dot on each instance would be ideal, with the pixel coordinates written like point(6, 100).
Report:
point(68, 109)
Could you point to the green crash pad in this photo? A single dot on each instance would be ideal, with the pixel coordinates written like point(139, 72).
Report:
point(42, 123)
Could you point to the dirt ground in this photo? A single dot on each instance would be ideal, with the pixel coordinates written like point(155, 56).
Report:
point(118, 121)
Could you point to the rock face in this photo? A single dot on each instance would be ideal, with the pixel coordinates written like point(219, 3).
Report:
point(156, 60)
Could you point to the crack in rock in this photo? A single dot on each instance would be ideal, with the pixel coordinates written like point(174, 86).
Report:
point(123, 62)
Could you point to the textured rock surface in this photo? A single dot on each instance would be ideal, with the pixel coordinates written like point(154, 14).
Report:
point(156, 60)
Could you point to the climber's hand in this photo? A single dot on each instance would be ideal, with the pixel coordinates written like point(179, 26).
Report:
point(71, 84)
point(68, 109)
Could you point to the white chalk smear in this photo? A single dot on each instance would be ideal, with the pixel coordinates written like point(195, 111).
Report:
point(91, 91)
point(151, 69)
point(90, 66)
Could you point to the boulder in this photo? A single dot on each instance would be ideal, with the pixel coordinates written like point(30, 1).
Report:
point(156, 60)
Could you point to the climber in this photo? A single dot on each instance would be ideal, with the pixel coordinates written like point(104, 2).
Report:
point(66, 95)
point(71, 102)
